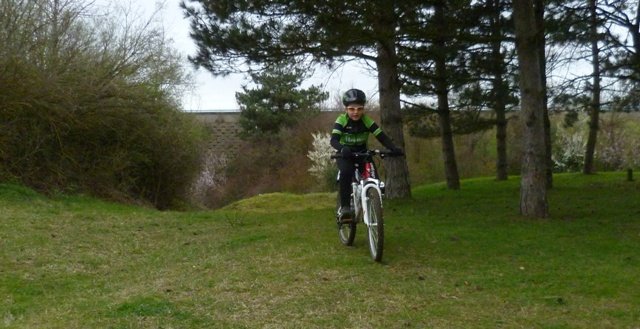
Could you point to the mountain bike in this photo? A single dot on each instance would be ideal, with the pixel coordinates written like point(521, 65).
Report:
point(367, 190)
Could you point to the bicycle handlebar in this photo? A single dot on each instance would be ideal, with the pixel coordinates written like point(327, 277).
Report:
point(369, 153)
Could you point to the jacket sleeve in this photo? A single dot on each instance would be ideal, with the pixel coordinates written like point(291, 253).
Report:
point(380, 135)
point(386, 141)
point(335, 142)
point(336, 134)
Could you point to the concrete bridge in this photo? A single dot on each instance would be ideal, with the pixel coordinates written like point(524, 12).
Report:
point(224, 127)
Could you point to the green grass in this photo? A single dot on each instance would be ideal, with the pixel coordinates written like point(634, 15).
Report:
point(453, 259)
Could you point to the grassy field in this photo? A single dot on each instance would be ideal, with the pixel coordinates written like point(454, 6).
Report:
point(453, 259)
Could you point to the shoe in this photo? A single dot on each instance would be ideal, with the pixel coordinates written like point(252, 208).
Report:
point(345, 214)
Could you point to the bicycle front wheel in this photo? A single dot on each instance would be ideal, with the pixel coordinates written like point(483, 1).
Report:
point(375, 224)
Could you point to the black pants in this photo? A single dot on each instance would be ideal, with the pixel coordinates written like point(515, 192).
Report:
point(347, 168)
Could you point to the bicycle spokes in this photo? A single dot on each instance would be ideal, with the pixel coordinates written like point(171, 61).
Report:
point(374, 223)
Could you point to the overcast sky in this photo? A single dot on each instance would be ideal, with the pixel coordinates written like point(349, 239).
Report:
point(218, 93)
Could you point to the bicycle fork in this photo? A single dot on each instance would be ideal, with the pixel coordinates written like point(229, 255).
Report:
point(370, 183)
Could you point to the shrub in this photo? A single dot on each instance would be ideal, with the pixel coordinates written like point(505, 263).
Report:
point(619, 142)
point(261, 166)
point(212, 177)
point(322, 167)
point(92, 106)
point(569, 143)
point(275, 162)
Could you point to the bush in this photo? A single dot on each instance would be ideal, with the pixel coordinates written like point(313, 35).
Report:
point(90, 109)
point(322, 166)
point(148, 153)
point(569, 137)
point(272, 163)
point(619, 141)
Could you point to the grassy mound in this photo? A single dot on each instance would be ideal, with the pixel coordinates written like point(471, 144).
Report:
point(284, 202)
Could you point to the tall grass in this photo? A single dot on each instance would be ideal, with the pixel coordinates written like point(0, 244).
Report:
point(453, 259)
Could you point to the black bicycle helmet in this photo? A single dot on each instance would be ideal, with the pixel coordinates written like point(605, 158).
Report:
point(354, 96)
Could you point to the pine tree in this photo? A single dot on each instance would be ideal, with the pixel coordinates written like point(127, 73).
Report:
point(277, 101)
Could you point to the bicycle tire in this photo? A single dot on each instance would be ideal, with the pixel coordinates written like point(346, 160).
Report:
point(375, 228)
point(346, 231)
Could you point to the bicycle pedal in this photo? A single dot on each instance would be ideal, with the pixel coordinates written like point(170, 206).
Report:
point(344, 220)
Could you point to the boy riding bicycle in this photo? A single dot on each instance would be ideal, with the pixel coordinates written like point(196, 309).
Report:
point(350, 134)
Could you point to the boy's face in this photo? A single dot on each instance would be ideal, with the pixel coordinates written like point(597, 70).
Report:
point(355, 111)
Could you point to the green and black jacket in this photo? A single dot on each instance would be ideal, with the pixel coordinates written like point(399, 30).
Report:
point(355, 134)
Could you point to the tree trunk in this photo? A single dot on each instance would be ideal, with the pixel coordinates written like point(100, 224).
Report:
point(502, 166)
point(499, 95)
point(444, 114)
point(444, 119)
point(539, 14)
point(634, 31)
point(594, 112)
point(547, 139)
point(391, 120)
point(533, 185)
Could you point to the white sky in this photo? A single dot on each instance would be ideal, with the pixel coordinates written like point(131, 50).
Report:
point(218, 93)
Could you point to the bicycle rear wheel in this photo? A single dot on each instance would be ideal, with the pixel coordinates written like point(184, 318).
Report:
point(375, 230)
point(346, 231)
